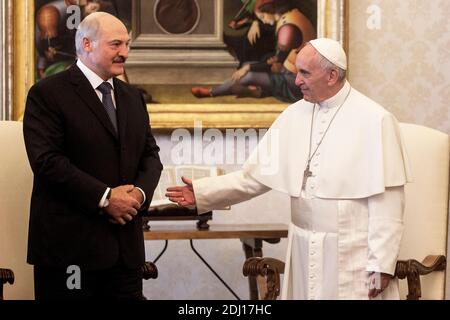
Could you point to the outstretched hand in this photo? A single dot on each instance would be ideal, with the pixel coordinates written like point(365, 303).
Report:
point(182, 195)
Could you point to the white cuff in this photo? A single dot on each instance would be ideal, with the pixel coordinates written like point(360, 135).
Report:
point(143, 195)
point(103, 202)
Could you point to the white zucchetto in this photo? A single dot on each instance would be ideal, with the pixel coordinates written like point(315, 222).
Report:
point(331, 50)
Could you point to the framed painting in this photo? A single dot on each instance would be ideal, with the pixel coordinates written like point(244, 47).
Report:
point(43, 41)
point(184, 53)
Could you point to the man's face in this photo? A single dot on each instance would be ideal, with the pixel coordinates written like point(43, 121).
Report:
point(107, 54)
point(311, 78)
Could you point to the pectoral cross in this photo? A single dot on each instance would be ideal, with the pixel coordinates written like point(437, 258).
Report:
point(306, 174)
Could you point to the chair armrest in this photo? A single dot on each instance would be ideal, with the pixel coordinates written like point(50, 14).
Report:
point(149, 271)
point(6, 275)
point(270, 269)
point(413, 269)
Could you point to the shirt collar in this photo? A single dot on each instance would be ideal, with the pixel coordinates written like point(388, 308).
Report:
point(337, 99)
point(93, 78)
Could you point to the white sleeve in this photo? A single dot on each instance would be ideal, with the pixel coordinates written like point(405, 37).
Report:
point(385, 229)
point(221, 191)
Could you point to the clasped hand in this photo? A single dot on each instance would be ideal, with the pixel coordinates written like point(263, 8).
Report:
point(124, 204)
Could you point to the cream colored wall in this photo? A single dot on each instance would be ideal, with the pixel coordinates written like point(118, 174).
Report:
point(404, 65)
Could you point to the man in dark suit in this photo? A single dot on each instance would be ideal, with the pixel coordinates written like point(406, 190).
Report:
point(95, 165)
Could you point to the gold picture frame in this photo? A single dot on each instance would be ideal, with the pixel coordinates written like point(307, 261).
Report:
point(332, 22)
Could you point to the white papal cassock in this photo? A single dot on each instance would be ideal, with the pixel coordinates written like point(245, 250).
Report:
point(347, 220)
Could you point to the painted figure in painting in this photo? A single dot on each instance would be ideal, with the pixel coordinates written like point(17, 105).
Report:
point(276, 75)
point(257, 43)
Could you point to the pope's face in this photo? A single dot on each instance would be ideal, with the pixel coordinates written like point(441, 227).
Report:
point(311, 78)
point(107, 53)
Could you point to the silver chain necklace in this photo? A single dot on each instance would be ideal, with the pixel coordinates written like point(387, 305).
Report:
point(307, 173)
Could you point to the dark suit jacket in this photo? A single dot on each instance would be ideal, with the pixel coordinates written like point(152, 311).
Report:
point(75, 155)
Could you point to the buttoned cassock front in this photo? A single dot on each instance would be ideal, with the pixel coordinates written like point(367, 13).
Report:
point(348, 219)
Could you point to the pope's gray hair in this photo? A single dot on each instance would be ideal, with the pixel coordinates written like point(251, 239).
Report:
point(327, 65)
point(88, 28)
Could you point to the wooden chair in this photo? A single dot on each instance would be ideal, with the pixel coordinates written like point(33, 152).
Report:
point(15, 193)
point(426, 221)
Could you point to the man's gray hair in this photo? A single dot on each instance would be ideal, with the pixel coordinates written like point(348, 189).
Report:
point(327, 65)
point(88, 28)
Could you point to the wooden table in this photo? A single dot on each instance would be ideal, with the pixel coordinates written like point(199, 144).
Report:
point(251, 236)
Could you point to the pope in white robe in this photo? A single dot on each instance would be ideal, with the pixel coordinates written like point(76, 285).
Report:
point(340, 157)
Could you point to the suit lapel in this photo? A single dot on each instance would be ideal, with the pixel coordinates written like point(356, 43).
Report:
point(85, 91)
point(121, 102)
